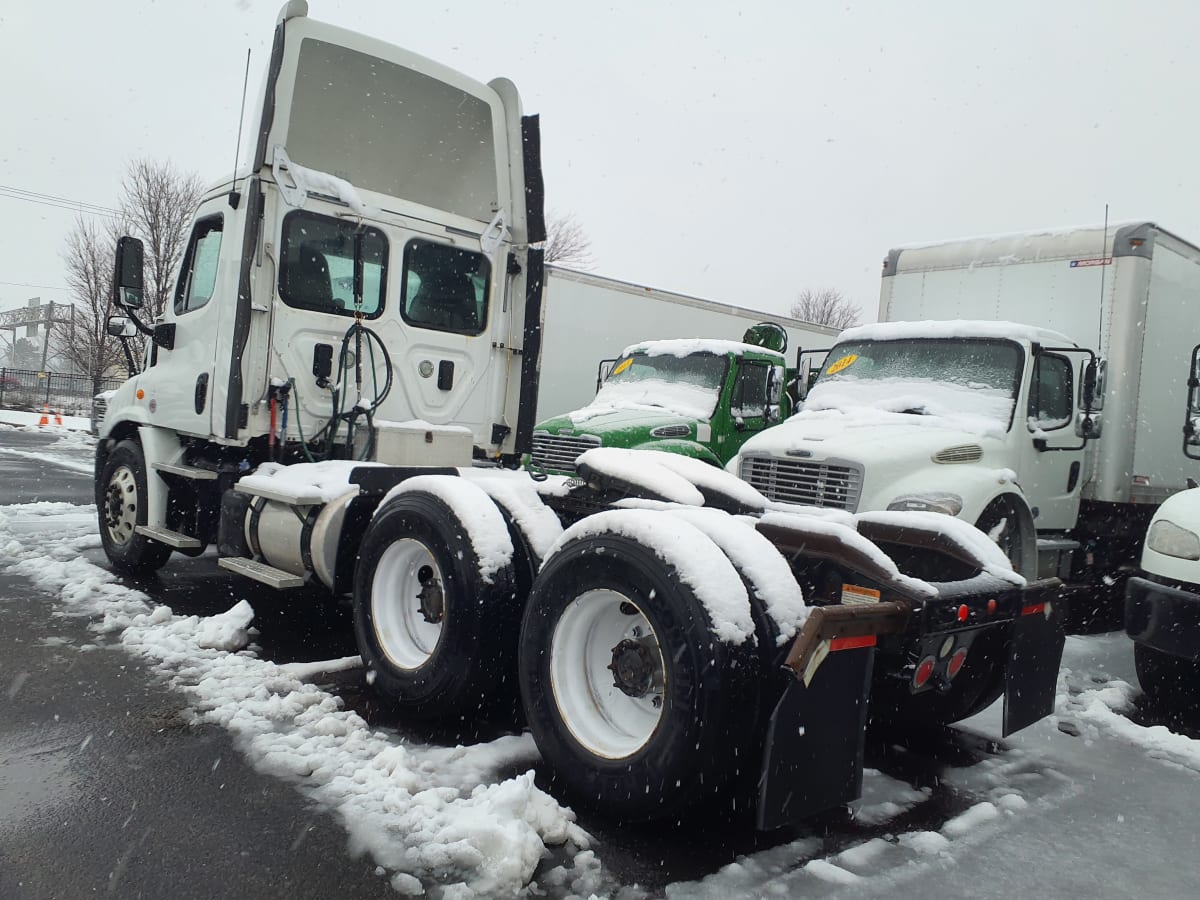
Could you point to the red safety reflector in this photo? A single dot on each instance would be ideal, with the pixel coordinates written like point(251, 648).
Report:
point(852, 643)
point(963, 612)
point(1034, 610)
point(956, 662)
point(991, 606)
point(924, 671)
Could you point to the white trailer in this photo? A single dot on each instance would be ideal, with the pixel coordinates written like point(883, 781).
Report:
point(1078, 475)
point(590, 318)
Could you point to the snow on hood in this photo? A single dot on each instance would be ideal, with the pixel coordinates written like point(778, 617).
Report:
point(653, 395)
point(614, 418)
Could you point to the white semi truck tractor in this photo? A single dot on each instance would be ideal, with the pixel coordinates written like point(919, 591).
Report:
point(338, 397)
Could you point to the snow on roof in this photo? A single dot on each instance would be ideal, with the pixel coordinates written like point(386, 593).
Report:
point(1030, 238)
point(953, 328)
point(687, 346)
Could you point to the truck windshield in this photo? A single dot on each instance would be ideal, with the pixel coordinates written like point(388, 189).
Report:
point(689, 385)
point(955, 378)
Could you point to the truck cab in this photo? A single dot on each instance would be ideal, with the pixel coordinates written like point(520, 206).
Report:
point(986, 421)
point(365, 289)
point(698, 398)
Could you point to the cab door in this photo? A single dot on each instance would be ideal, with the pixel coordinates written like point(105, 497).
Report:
point(179, 383)
point(1053, 453)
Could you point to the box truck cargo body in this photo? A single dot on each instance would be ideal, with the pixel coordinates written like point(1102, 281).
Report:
point(590, 318)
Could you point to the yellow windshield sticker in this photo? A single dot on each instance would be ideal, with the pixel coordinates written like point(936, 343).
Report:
point(842, 363)
point(621, 367)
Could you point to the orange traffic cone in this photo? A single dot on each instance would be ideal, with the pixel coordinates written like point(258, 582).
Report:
point(45, 419)
point(58, 417)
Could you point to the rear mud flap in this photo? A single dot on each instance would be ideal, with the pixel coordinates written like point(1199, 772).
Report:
point(813, 759)
point(1034, 656)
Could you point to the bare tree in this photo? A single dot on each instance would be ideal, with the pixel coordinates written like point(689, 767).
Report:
point(86, 344)
point(827, 306)
point(158, 204)
point(566, 242)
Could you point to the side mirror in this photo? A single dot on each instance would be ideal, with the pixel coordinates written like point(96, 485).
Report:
point(121, 327)
point(1088, 391)
point(127, 279)
point(1089, 426)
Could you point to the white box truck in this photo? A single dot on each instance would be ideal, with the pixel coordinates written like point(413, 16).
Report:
point(590, 319)
point(999, 423)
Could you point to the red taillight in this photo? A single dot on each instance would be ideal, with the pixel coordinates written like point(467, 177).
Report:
point(963, 612)
point(924, 671)
point(956, 662)
point(991, 606)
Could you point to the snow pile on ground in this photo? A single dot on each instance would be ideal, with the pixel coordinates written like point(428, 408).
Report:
point(1101, 702)
point(431, 815)
point(28, 421)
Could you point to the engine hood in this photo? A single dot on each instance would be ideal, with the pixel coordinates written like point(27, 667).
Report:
point(606, 421)
point(825, 435)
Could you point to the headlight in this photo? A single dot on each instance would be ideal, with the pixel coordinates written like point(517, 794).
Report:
point(1169, 539)
point(948, 504)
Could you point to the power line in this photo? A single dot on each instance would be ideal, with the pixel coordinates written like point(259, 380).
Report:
point(51, 200)
point(44, 287)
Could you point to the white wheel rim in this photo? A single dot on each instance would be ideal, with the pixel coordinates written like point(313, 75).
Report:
point(121, 505)
point(404, 634)
point(603, 718)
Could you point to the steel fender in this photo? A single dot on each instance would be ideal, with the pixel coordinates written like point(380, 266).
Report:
point(158, 445)
point(683, 448)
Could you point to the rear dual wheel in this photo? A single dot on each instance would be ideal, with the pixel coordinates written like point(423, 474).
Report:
point(634, 702)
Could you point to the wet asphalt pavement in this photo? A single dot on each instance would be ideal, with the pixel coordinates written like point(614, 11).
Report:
point(107, 789)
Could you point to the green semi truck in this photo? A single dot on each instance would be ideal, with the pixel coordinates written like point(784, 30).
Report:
point(698, 398)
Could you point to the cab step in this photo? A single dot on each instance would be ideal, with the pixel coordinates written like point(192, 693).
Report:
point(184, 471)
point(170, 538)
point(261, 572)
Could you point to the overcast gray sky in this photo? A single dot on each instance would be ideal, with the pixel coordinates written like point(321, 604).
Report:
point(739, 152)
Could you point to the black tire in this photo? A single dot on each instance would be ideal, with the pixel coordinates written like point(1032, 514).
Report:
point(978, 686)
point(468, 668)
point(1012, 538)
point(1167, 680)
point(707, 701)
point(120, 507)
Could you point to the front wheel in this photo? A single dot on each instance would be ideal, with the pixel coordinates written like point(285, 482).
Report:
point(121, 507)
point(634, 702)
point(1003, 522)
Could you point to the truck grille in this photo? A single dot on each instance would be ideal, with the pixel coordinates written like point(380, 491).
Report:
point(559, 451)
point(806, 483)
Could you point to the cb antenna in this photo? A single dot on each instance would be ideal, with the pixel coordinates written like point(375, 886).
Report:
point(235, 197)
point(1103, 266)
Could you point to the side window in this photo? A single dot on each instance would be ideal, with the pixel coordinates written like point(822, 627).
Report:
point(1051, 392)
point(198, 274)
point(445, 288)
point(750, 393)
point(317, 268)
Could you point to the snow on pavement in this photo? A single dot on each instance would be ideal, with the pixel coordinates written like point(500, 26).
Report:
point(443, 821)
point(430, 815)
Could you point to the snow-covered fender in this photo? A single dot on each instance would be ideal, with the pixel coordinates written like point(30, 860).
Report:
point(683, 448)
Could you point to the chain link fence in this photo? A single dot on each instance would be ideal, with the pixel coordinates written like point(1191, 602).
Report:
point(29, 389)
